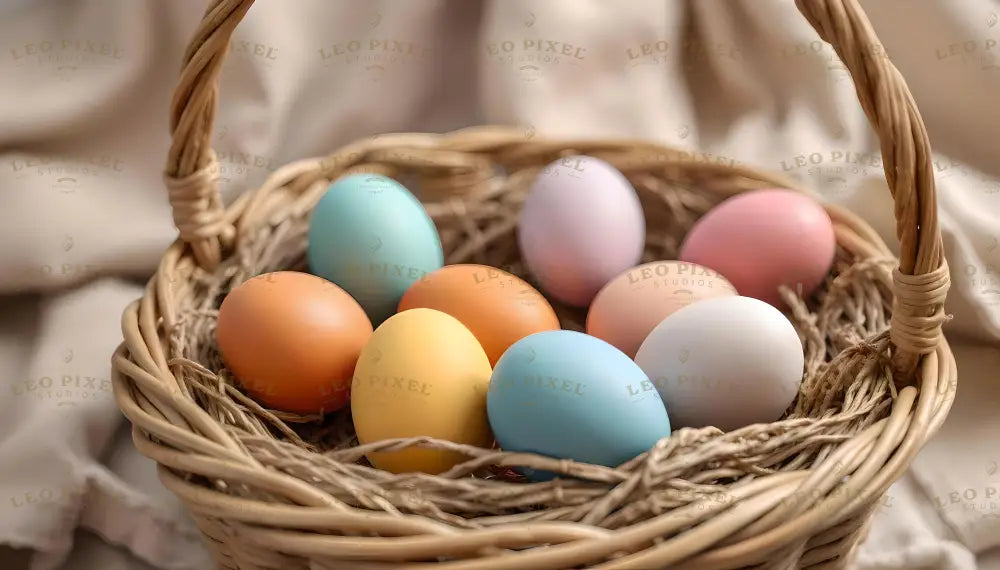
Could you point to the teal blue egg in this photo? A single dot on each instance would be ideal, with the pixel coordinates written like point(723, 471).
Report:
point(373, 238)
point(568, 395)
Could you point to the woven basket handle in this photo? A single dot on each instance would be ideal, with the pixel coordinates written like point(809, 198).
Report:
point(921, 280)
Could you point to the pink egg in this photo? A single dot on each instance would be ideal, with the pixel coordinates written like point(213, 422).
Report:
point(763, 239)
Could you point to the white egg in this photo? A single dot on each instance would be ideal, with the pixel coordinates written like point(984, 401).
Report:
point(726, 362)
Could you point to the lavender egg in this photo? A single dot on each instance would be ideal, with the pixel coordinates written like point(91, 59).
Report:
point(581, 226)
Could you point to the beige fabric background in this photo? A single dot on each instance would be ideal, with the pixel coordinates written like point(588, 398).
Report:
point(84, 96)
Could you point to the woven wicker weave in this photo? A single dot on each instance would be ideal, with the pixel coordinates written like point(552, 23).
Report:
point(273, 490)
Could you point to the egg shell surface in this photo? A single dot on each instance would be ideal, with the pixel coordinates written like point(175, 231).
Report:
point(582, 224)
point(568, 395)
point(292, 340)
point(727, 362)
point(372, 237)
point(628, 308)
point(497, 307)
point(762, 239)
point(421, 374)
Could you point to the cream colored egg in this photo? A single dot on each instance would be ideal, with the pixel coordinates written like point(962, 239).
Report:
point(726, 362)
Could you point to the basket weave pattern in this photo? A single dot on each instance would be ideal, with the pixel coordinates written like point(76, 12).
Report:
point(275, 490)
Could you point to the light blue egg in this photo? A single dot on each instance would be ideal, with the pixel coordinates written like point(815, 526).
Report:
point(569, 395)
point(373, 238)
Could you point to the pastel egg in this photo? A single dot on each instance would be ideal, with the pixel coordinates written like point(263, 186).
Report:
point(568, 395)
point(372, 237)
point(292, 340)
point(582, 225)
point(726, 362)
point(421, 374)
point(497, 307)
point(764, 239)
point(627, 309)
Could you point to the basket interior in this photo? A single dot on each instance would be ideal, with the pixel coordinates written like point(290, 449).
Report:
point(844, 322)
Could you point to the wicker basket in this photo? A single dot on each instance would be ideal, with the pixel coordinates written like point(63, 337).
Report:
point(879, 376)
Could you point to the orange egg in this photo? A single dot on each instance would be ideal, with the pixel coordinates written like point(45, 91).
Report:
point(292, 340)
point(497, 307)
